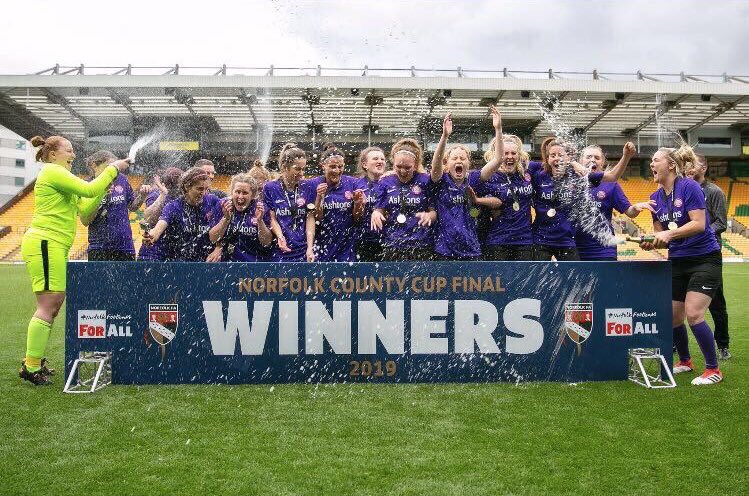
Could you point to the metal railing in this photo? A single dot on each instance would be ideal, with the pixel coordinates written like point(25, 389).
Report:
point(413, 71)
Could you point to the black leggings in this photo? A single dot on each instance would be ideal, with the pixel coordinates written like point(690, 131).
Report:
point(368, 251)
point(544, 253)
point(110, 256)
point(392, 254)
point(509, 252)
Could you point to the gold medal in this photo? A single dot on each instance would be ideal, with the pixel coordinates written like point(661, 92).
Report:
point(311, 207)
point(551, 212)
point(672, 225)
point(474, 212)
point(515, 206)
point(401, 219)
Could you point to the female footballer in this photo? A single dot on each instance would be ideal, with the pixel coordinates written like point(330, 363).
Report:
point(110, 237)
point(369, 243)
point(185, 222)
point(403, 209)
point(456, 201)
point(607, 196)
point(285, 201)
point(59, 196)
point(681, 224)
point(239, 229)
point(338, 206)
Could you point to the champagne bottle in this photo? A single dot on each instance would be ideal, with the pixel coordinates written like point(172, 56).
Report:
point(649, 238)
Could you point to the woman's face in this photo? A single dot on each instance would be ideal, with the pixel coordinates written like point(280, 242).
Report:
point(556, 155)
point(592, 158)
point(241, 195)
point(64, 155)
point(197, 190)
point(404, 166)
point(458, 163)
point(661, 166)
point(333, 169)
point(374, 164)
point(98, 169)
point(295, 172)
point(260, 179)
point(511, 157)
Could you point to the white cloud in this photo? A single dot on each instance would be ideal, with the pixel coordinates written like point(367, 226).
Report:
point(693, 35)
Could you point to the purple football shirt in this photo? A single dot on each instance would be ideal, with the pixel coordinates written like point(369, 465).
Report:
point(686, 196)
point(241, 240)
point(290, 208)
point(155, 251)
point(406, 199)
point(335, 233)
point(607, 196)
point(186, 238)
point(110, 229)
point(364, 231)
point(456, 229)
point(509, 226)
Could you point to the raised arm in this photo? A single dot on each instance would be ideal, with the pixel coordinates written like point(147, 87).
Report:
point(153, 211)
point(143, 193)
point(492, 166)
point(447, 130)
point(64, 180)
point(613, 174)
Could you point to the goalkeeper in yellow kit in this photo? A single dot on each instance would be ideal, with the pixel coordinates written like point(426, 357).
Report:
point(59, 196)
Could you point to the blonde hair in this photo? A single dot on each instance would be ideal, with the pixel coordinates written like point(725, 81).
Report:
point(456, 146)
point(288, 154)
point(363, 158)
point(523, 158)
point(411, 146)
point(246, 178)
point(680, 157)
point(258, 172)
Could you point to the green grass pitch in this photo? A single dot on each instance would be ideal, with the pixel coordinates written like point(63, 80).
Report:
point(593, 438)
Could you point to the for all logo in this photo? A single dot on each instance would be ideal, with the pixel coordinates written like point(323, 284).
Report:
point(162, 322)
point(620, 322)
point(92, 324)
point(578, 321)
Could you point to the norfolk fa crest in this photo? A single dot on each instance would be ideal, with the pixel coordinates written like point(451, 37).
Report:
point(162, 322)
point(578, 321)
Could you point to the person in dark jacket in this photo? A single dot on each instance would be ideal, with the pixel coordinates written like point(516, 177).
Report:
point(717, 208)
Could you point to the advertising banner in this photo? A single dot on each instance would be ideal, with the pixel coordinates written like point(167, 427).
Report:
point(176, 323)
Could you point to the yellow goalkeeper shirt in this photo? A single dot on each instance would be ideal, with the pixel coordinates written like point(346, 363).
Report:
point(59, 196)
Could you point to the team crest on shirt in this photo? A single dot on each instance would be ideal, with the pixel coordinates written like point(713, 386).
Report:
point(601, 195)
point(253, 221)
point(348, 194)
point(678, 203)
point(300, 202)
point(416, 189)
point(118, 189)
point(527, 176)
point(578, 321)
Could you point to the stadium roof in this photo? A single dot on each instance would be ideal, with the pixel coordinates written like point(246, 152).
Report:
point(80, 102)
